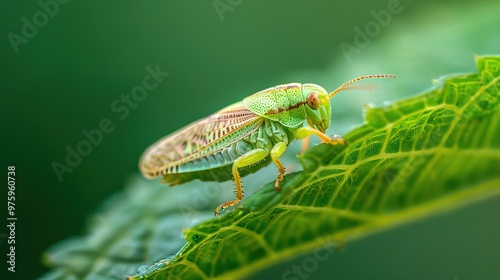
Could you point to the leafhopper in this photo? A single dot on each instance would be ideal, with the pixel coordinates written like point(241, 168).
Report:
point(244, 137)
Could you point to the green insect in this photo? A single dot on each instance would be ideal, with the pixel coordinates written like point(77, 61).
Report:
point(244, 137)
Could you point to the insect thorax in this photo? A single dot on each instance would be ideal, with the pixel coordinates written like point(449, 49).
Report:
point(270, 133)
point(283, 103)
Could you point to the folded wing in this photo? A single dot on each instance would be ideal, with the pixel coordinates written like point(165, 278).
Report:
point(199, 139)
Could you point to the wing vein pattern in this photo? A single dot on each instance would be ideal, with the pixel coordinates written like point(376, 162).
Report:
point(214, 138)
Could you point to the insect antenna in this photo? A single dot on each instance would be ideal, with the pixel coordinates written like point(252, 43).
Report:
point(361, 87)
point(347, 85)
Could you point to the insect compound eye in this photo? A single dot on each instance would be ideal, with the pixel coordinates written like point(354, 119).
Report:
point(313, 100)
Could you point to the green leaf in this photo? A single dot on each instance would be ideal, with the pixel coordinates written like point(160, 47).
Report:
point(411, 159)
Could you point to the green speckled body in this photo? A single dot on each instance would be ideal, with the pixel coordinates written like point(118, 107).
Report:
point(207, 149)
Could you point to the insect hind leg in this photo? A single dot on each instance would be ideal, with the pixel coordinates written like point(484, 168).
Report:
point(276, 152)
point(249, 158)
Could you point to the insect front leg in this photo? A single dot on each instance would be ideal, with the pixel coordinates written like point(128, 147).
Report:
point(249, 158)
point(307, 140)
point(305, 144)
point(308, 131)
point(276, 152)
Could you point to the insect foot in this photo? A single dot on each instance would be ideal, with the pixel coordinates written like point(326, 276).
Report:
point(336, 139)
point(225, 205)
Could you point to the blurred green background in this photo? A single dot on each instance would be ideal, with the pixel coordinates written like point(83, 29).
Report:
point(65, 78)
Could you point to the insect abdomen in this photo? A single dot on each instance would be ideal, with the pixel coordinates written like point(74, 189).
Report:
point(222, 157)
point(217, 166)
